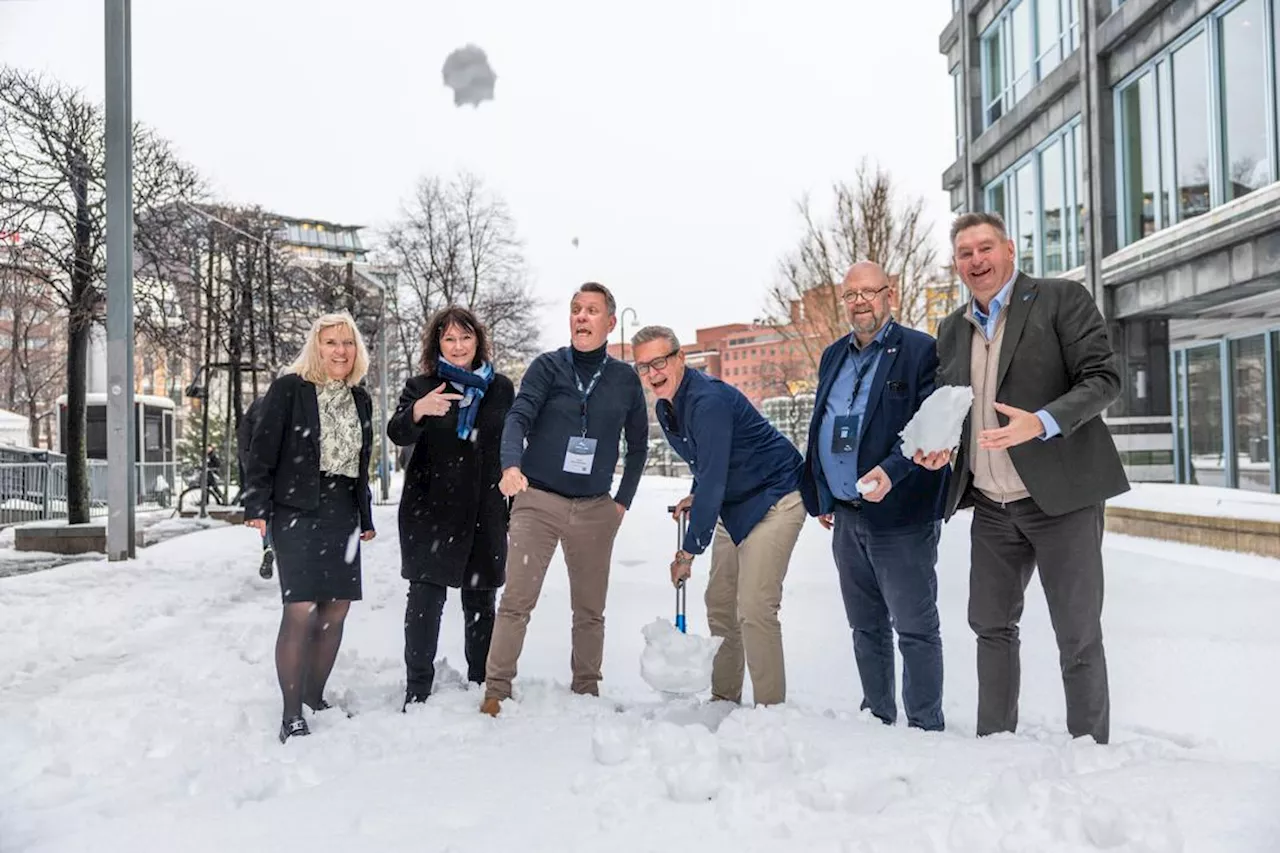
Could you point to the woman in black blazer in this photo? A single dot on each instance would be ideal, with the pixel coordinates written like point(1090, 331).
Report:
point(453, 519)
point(308, 477)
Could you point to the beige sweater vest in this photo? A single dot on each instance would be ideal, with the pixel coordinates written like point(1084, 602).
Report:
point(993, 471)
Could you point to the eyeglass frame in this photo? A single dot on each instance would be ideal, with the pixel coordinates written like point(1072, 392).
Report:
point(862, 295)
point(643, 367)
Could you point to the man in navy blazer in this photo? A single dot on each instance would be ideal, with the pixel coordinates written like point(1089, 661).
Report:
point(885, 510)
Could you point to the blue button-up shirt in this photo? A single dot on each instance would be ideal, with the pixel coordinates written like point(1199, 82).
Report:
point(841, 469)
point(987, 321)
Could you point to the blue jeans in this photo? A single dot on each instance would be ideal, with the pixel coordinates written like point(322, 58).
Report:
point(888, 581)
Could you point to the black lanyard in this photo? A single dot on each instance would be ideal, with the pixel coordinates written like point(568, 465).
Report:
point(857, 383)
point(585, 393)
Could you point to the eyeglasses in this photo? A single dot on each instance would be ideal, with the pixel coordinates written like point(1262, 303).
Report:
point(864, 295)
point(643, 367)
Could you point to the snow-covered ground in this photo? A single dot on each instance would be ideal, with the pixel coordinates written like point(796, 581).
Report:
point(138, 712)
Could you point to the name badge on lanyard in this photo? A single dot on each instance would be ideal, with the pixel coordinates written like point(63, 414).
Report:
point(580, 455)
point(844, 433)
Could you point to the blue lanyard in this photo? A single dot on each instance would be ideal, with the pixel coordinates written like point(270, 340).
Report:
point(585, 393)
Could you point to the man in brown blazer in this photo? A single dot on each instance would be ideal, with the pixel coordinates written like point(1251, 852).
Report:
point(1036, 463)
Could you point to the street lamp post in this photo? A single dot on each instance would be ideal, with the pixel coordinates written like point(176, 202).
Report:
point(622, 328)
point(121, 425)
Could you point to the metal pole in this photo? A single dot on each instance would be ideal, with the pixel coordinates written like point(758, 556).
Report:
point(121, 426)
point(383, 378)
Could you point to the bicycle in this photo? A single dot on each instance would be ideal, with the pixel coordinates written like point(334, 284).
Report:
point(216, 496)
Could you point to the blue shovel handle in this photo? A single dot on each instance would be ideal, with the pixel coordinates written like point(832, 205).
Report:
point(681, 593)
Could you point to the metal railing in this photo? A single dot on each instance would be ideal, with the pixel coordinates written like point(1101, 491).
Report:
point(37, 491)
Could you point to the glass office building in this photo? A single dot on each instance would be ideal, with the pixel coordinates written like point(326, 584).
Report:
point(1135, 147)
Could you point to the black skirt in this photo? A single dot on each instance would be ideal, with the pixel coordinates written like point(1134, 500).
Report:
point(318, 551)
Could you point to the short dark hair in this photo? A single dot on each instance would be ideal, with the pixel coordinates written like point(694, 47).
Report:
point(973, 220)
point(597, 287)
point(453, 315)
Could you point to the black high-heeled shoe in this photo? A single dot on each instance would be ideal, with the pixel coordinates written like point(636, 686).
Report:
point(293, 727)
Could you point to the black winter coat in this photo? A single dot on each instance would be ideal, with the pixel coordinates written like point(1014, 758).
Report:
point(453, 519)
point(284, 453)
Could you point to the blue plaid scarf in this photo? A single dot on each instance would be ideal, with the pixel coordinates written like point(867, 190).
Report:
point(474, 383)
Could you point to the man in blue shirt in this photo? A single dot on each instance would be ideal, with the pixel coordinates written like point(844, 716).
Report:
point(884, 509)
point(744, 504)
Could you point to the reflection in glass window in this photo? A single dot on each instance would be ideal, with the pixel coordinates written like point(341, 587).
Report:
point(1053, 207)
point(1025, 187)
point(1204, 419)
point(1244, 92)
point(1249, 394)
point(1191, 127)
point(1141, 158)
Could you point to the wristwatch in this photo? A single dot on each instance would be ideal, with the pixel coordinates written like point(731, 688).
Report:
point(683, 556)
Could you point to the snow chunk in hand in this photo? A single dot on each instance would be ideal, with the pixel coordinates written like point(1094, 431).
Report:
point(936, 426)
point(676, 663)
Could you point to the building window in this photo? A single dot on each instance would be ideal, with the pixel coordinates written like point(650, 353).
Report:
point(1249, 403)
point(1140, 156)
point(1204, 419)
point(1027, 41)
point(1053, 210)
point(1050, 36)
point(1040, 200)
point(957, 87)
point(1028, 204)
point(1196, 125)
point(1076, 247)
point(1244, 99)
point(1188, 146)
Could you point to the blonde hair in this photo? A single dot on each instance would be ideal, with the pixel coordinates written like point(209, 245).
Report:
point(308, 364)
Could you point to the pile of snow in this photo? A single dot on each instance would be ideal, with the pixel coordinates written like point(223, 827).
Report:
point(675, 663)
point(937, 424)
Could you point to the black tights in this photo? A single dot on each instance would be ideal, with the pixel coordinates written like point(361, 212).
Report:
point(306, 647)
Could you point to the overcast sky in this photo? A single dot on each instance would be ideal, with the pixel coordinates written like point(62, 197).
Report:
point(670, 138)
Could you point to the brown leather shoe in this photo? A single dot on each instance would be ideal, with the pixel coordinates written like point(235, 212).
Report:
point(490, 706)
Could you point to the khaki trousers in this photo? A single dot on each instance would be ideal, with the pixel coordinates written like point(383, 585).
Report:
point(585, 529)
point(743, 597)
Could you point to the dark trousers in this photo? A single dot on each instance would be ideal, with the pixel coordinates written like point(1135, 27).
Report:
point(422, 633)
point(888, 581)
point(1007, 544)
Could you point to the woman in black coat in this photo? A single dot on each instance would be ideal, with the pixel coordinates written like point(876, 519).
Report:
point(453, 519)
point(307, 476)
